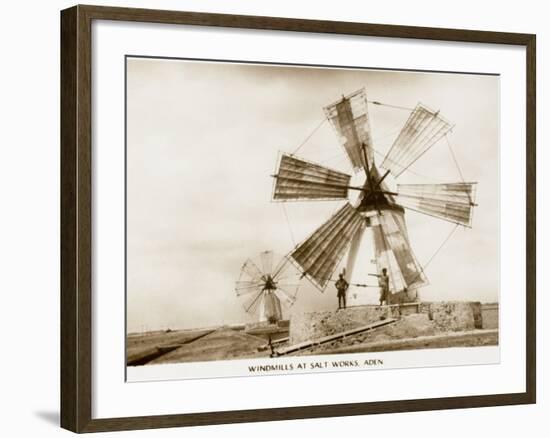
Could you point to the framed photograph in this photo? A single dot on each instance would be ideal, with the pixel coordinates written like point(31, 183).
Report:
point(282, 208)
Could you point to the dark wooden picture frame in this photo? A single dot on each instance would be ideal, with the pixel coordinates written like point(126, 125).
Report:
point(76, 217)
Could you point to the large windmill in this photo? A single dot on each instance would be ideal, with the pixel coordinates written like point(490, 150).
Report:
point(267, 286)
point(377, 207)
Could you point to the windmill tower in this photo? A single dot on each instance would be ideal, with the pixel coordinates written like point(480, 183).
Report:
point(267, 287)
point(376, 208)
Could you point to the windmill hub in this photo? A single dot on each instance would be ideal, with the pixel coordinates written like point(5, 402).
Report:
point(376, 202)
point(372, 200)
point(270, 284)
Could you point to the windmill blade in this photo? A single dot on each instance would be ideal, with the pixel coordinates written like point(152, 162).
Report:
point(286, 272)
point(350, 118)
point(298, 179)
point(319, 254)
point(248, 287)
point(250, 271)
point(393, 251)
point(288, 298)
point(252, 304)
point(285, 269)
point(453, 202)
point(422, 130)
point(266, 260)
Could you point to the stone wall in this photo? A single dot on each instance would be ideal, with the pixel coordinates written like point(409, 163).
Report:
point(313, 325)
point(449, 316)
point(489, 314)
point(454, 315)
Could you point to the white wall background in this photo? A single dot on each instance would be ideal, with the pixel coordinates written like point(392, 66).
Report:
point(29, 223)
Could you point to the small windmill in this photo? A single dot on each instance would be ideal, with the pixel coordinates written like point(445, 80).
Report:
point(268, 287)
point(298, 179)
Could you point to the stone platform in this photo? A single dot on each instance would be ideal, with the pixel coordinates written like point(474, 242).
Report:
point(443, 316)
point(313, 325)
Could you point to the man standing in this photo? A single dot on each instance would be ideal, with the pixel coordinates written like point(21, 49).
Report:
point(384, 283)
point(342, 287)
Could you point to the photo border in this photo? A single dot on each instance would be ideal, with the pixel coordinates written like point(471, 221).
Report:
point(221, 62)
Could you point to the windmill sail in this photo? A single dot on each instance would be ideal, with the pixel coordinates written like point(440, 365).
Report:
point(422, 130)
point(393, 251)
point(250, 271)
point(349, 117)
point(251, 279)
point(285, 296)
point(266, 262)
point(248, 287)
point(298, 179)
point(287, 280)
point(319, 255)
point(254, 302)
point(452, 202)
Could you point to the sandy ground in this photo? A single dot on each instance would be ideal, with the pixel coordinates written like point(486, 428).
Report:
point(218, 345)
point(139, 344)
point(414, 331)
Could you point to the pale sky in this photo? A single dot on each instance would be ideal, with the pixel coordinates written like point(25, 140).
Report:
point(203, 140)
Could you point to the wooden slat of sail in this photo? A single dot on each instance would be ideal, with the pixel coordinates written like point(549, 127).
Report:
point(298, 179)
point(319, 255)
point(452, 202)
point(393, 251)
point(350, 118)
point(421, 131)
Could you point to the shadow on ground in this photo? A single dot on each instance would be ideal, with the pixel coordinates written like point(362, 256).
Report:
point(51, 417)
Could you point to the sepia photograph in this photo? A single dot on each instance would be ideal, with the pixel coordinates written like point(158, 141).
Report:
point(307, 218)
